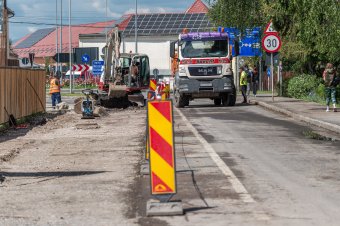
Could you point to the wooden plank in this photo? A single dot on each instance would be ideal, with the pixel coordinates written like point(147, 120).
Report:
point(17, 95)
point(2, 95)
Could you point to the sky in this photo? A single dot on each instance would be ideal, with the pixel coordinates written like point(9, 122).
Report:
point(31, 15)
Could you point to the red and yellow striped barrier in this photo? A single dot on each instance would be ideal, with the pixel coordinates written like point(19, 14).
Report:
point(153, 85)
point(162, 152)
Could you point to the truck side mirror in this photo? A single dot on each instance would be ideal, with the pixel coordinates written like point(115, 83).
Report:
point(236, 48)
point(172, 49)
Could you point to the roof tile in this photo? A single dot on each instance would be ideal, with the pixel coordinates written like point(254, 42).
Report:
point(198, 7)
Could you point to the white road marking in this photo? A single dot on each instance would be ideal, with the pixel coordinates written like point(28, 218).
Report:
point(236, 184)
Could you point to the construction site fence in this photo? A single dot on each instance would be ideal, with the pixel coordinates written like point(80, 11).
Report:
point(22, 92)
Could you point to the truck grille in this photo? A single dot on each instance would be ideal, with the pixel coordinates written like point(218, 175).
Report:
point(202, 71)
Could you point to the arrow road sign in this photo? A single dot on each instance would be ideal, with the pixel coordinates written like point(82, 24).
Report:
point(80, 67)
point(85, 58)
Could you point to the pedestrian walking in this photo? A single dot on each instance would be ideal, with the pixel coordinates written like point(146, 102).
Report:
point(55, 90)
point(329, 77)
point(255, 80)
point(243, 84)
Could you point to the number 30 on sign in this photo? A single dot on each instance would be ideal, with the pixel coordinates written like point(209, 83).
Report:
point(271, 43)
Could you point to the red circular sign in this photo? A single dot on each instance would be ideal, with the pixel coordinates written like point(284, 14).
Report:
point(271, 43)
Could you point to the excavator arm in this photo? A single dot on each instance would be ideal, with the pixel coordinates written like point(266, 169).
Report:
point(112, 56)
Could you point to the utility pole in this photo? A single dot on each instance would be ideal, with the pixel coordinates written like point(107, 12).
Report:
point(61, 35)
point(70, 44)
point(136, 41)
point(56, 35)
point(106, 21)
point(3, 34)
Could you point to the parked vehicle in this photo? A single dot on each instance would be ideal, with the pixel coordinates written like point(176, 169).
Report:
point(202, 68)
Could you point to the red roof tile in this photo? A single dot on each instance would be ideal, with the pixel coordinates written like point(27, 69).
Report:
point(124, 21)
point(47, 46)
point(198, 7)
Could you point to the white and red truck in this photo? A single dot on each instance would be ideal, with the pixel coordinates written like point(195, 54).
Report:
point(202, 68)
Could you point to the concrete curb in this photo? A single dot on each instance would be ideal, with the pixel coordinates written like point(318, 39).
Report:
point(315, 122)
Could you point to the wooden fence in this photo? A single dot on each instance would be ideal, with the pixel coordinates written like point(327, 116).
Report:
point(22, 92)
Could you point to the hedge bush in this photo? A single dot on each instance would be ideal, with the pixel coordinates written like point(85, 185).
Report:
point(303, 86)
point(308, 87)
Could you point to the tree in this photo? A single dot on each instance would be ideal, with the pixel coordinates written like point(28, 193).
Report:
point(236, 13)
point(310, 30)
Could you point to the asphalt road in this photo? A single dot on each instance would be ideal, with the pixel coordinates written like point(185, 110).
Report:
point(291, 178)
point(244, 165)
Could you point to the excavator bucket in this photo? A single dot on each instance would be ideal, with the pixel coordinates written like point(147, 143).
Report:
point(116, 91)
point(137, 98)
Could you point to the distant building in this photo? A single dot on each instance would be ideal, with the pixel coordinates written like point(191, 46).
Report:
point(155, 32)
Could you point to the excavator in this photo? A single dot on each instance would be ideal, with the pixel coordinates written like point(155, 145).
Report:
point(126, 76)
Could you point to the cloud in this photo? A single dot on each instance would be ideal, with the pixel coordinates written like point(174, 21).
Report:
point(32, 29)
point(149, 10)
point(83, 11)
point(100, 7)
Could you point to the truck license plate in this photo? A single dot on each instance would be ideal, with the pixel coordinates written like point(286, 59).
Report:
point(206, 84)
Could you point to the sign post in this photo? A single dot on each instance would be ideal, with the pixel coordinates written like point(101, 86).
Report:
point(271, 43)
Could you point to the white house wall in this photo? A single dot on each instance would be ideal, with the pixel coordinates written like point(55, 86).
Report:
point(158, 51)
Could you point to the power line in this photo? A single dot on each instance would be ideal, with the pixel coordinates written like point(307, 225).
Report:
point(54, 24)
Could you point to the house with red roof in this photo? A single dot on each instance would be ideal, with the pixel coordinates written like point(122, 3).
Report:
point(155, 32)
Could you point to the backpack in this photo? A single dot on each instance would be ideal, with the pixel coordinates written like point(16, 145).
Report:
point(249, 76)
point(336, 81)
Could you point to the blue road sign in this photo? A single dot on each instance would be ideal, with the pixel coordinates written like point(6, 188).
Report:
point(250, 47)
point(268, 71)
point(85, 58)
point(97, 67)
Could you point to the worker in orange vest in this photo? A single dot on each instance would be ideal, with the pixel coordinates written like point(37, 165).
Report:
point(55, 90)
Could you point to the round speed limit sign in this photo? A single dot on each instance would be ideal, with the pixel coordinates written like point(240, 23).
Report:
point(271, 43)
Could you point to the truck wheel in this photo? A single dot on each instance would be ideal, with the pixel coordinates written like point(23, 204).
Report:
point(217, 101)
point(180, 100)
point(186, 101)
point(229, 99)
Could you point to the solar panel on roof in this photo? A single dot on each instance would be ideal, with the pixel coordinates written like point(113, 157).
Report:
point(34, 38)
point(167, 23)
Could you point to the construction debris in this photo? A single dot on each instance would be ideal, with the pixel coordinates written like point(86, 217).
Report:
point(62, 106)
point(99, 111)
point(77, 105)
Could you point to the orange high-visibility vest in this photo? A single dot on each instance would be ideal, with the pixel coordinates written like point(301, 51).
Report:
point(54, 86)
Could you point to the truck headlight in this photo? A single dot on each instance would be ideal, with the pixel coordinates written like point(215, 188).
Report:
point(228, 68)
point(182, 72)
point(181, 69)
point(219, 70)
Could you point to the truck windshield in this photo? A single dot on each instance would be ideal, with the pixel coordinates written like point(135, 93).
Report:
point(197, 49)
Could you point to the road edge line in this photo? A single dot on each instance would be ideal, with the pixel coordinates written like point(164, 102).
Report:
point(306, 119)
point(233, 180)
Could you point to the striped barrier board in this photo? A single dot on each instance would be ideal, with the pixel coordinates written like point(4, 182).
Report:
point(153, 85)
point(162, 151)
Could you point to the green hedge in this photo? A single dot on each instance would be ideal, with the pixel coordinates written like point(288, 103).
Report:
point(308, 87)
